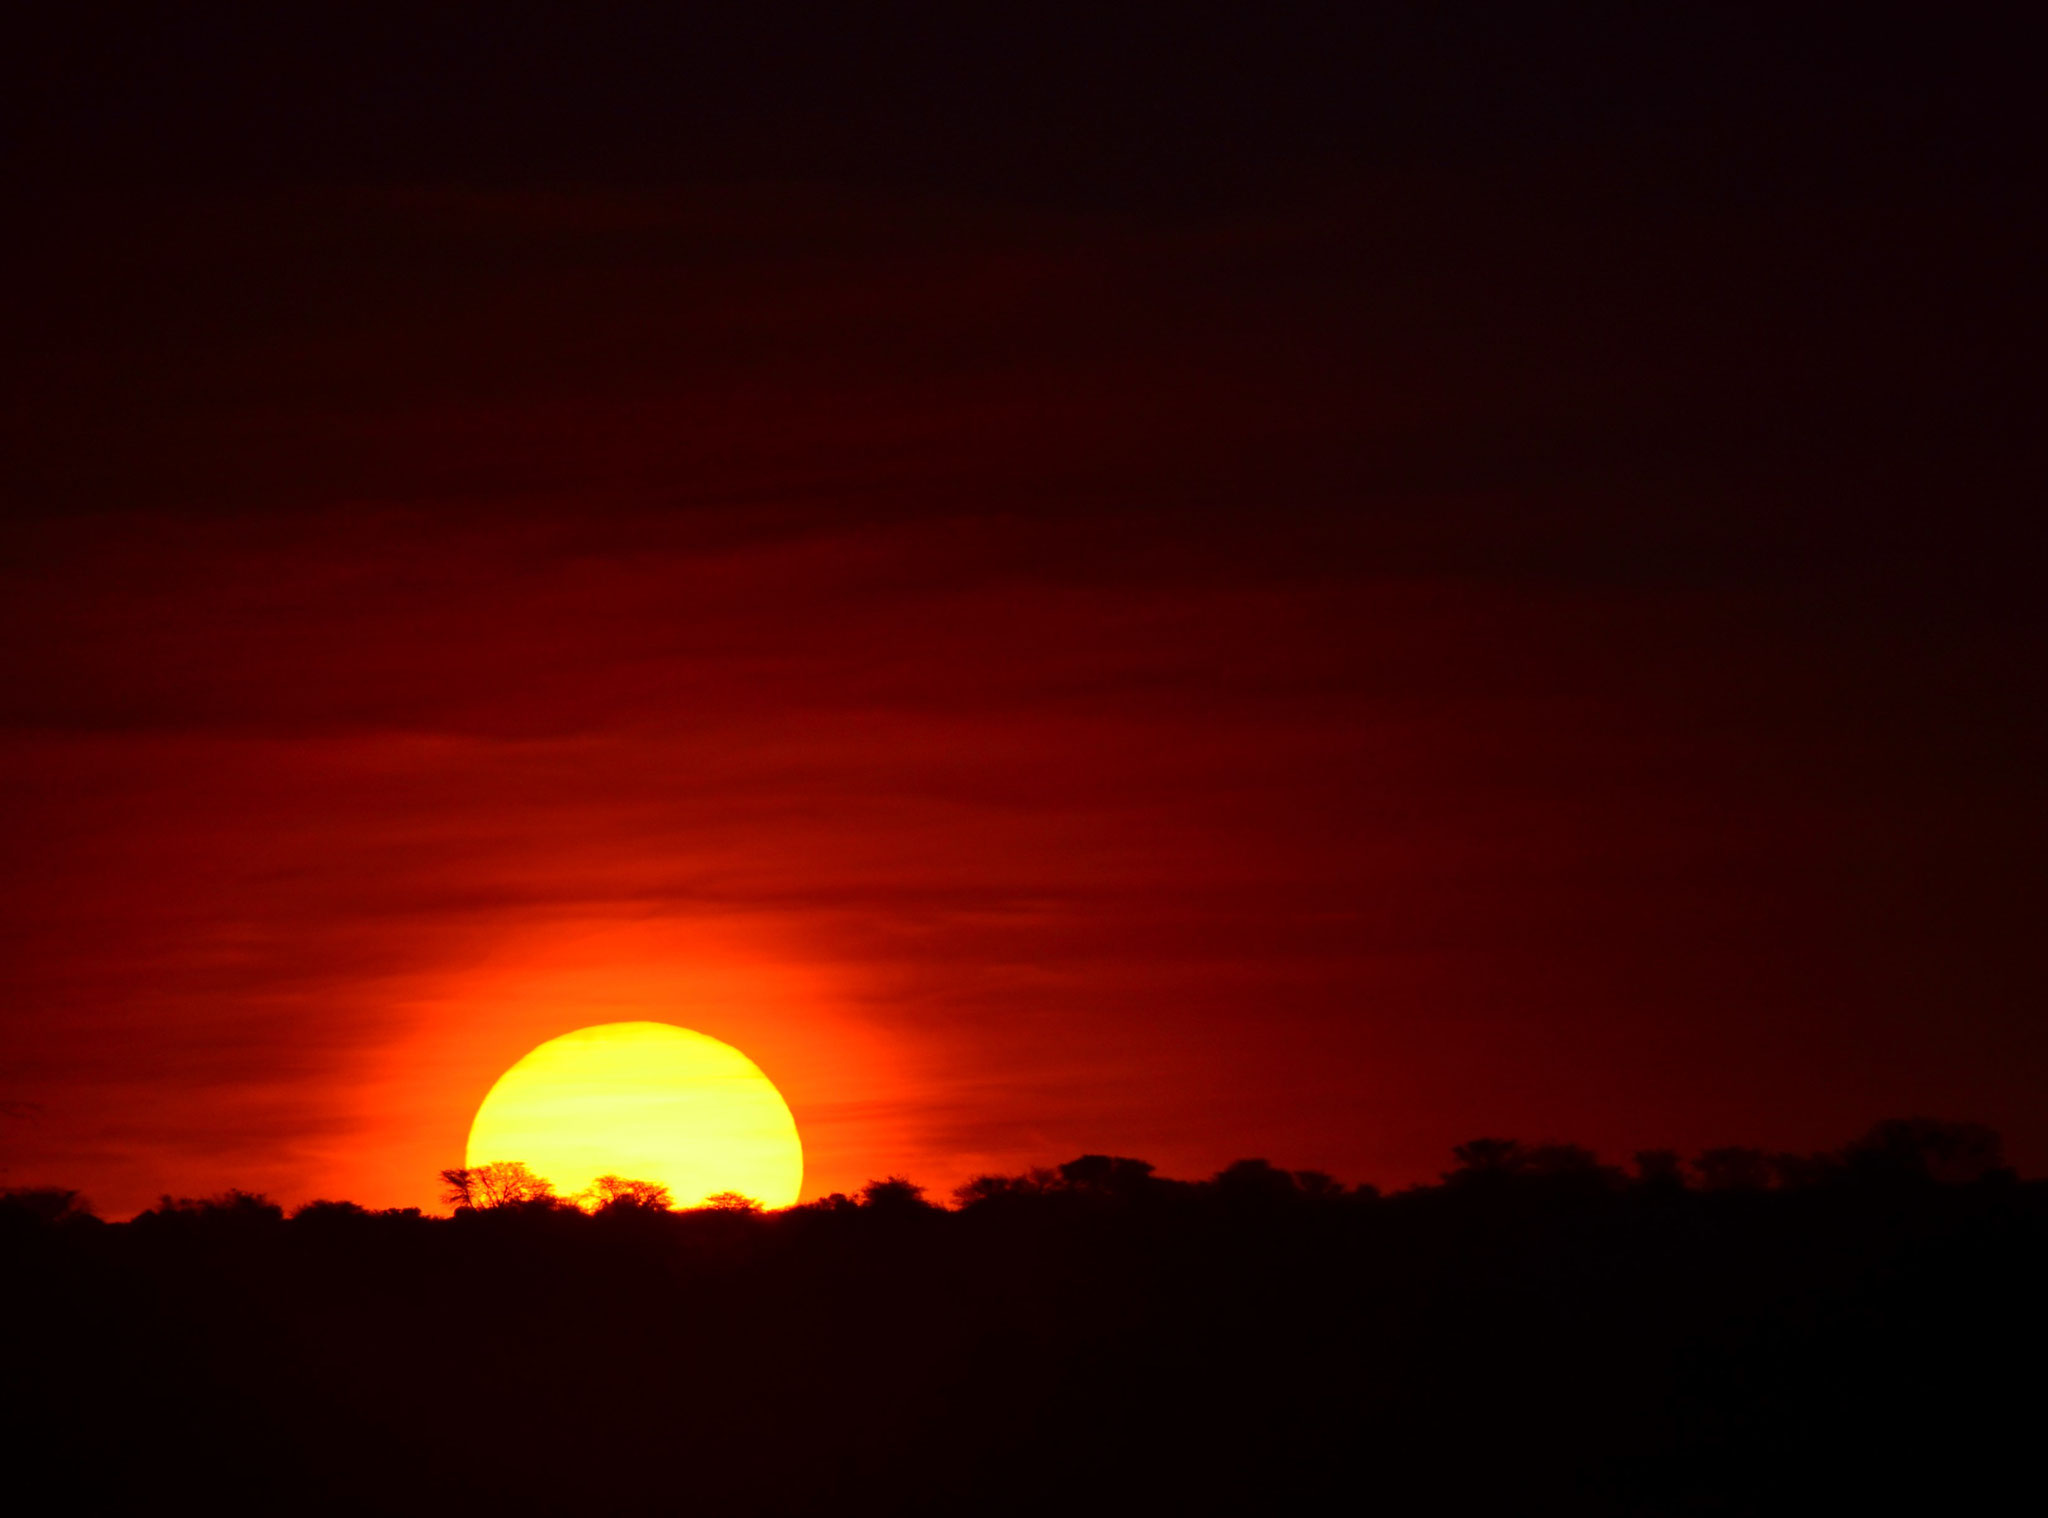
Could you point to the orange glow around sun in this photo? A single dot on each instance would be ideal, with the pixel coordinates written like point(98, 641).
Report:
point(645, 1101)
point(744, 982)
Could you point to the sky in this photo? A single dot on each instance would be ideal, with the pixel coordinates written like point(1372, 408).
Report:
point(1309, 590)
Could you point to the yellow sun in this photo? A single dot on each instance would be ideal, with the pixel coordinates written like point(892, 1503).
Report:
point(648, 1102)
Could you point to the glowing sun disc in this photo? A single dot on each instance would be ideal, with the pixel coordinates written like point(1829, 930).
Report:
point(648, 1102)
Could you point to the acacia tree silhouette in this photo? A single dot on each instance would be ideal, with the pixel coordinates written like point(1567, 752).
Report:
point(895, 1194)
point(1485, 1158)
point(613, 1193)
point(728, 1201)
point(996, 1188)
point(501, 1183)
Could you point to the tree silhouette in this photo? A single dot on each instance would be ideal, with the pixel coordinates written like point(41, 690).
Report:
point(233, 1208)
point(330, 1212)
point(836, 1202)
point(728, 1201)
point(1796, 1172)
point(1733, 1168)
point(1926, 1149)
point(47, 1204)
point(1108, 1175)
point(611, 1193)
point(1255, 1183)
point(1560, 1159)
point(501, 1183)
point(33, 1209)
point(1659, 1171)
point(894, 1194)
point(1485, 1159)
point(994, 1188)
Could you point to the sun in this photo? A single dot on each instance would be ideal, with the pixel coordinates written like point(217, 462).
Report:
point(649, 1102)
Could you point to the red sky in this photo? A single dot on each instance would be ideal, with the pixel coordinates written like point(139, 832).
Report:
point(1321, 679)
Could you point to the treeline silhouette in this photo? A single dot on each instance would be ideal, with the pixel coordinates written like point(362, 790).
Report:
point(1540, 1333)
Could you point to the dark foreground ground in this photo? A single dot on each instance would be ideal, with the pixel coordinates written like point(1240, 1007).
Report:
point(1532, 1344)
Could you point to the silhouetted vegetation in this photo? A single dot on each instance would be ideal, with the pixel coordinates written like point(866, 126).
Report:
point(1540, 1333)
point(502, 1183)
point(616, 1194)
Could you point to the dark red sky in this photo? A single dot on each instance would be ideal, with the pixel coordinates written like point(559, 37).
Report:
point(1240, 598)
